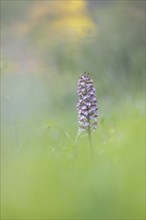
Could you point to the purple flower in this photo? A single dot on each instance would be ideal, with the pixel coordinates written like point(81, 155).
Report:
point(87, 104)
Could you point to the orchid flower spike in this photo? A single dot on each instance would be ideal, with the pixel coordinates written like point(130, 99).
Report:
point(87, 104)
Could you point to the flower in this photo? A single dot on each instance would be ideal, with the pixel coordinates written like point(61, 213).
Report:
point(87, 104)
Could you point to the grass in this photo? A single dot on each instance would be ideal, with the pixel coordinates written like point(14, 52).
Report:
point(45, 176)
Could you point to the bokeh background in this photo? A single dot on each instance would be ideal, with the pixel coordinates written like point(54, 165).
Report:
point(45, 47)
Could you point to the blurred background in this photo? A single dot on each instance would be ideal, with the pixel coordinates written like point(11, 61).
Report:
point(45, 47)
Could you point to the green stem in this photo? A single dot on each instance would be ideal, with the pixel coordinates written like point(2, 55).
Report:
point(90, 141)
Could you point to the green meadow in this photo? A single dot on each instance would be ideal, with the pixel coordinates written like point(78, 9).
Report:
point(45, 174)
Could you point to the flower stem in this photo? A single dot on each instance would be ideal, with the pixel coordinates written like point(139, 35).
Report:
point(90, 141)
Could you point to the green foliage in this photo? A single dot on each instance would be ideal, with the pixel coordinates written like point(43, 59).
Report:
point(45, 174)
